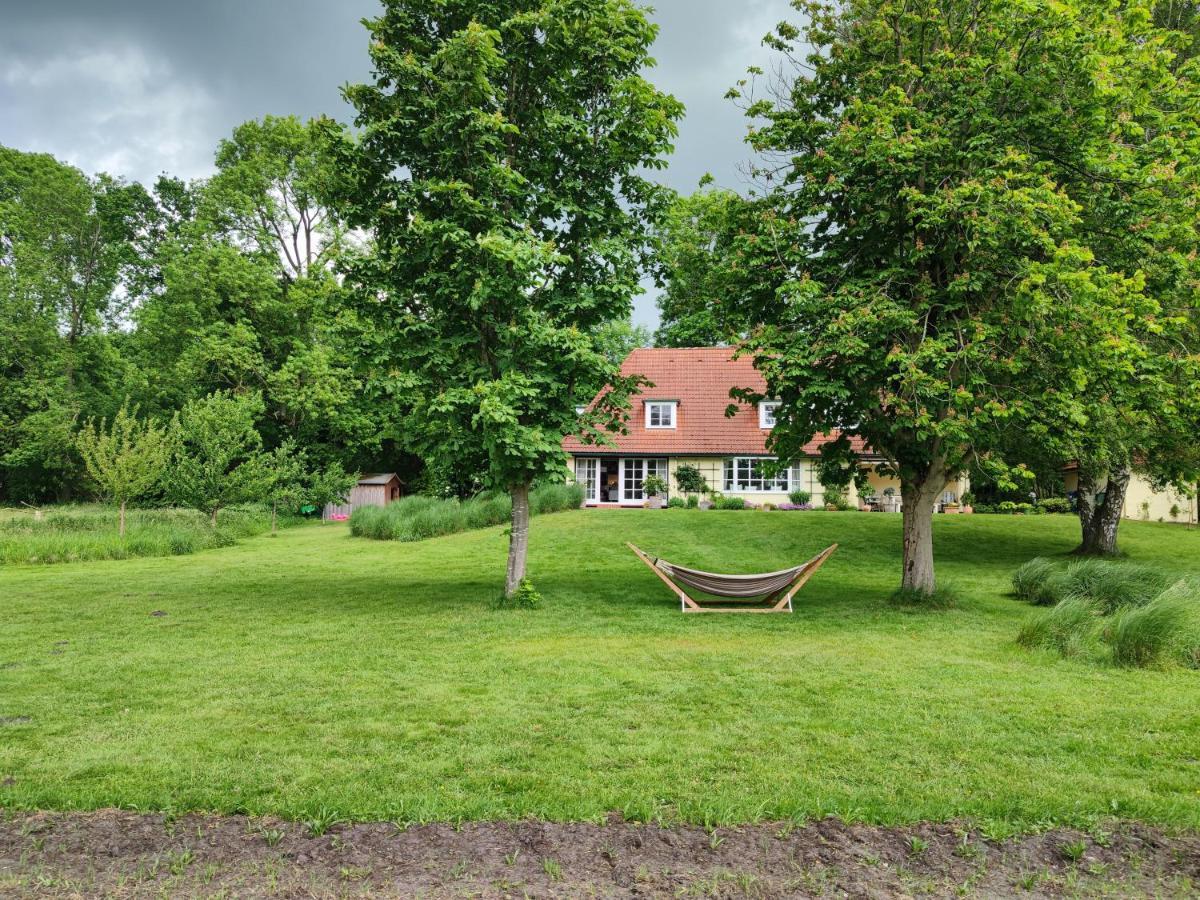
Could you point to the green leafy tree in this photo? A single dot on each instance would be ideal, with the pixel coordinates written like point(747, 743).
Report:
point(272, 177)
point(936, 280)
point(126, 459)
point(294, 483)
point(499, 171)
point(695, 243)
point(219, 459)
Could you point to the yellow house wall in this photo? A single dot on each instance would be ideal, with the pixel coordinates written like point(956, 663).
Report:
point(1157, 503)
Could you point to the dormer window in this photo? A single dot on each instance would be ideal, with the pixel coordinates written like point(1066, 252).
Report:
point(660, 414)
point(766, 413)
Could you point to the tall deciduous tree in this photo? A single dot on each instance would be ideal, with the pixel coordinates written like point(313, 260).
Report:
point(937, 280)
point(499, 173)
point(126, 459)
point(695, 240)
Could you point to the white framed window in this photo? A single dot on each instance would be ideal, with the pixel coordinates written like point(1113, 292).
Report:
point(634, 475)
point(660, 414)
point(747, 474)
point(766, 413)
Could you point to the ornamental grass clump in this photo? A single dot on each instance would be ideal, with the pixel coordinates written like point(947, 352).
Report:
point(1071, 628)
point(1040, 582)
point(1164, 632)
point(419, 517)
point(1114, 585)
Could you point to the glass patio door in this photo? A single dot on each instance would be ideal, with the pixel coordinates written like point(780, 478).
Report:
point(587, 473)
point(633, 476)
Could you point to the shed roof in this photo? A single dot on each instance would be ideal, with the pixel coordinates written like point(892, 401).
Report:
point(379, 478)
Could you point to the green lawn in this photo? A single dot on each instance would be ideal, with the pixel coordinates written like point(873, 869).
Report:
point(373, 680)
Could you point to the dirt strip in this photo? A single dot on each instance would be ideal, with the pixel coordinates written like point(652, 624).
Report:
point(121, 854)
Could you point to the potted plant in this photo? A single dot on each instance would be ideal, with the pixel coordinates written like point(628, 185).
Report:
point(655, 489)
point(889, 502)
point(866, 494)
point(968, 503)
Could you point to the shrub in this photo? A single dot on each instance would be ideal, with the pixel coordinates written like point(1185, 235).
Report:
point(968, 498)
point(1070, 627)
point(1056, 505)
point(1164, 631)
point(729, 503)
point(525, 597)
point(836, 498)
point(690, 480)
point(799, 498)
point(654, 486)
point(418, 517)
point(693, 501)
point(676, 503)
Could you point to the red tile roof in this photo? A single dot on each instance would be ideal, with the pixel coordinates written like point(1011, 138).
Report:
point(699, 379)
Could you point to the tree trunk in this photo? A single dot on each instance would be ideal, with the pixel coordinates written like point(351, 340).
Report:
point(1100, 535)
point(121, 527)
point(274, 515)
point(213, 518)
point(1086, 501)
point(518, 541)
point(920, 499)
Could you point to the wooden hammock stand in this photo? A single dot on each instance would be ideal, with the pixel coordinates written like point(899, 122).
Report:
point(733, 588)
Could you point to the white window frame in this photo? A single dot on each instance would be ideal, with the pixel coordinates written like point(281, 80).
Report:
point(587, 473)
point(765, 408)
point(743, 475)
point(658, 405)
point(633, 473)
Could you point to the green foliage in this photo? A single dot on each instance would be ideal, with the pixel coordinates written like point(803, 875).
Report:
point(508, 218)
point(1041, 582)
point(1071, 627)
point(128, 459)
point(1058, 505)
point(219, 459)
point(967, 243)
point(677, 503)
point(1144, 616)
point(728, 502)
point(654, 486)
point(419, 517)
point(693, 501)
point(75, 533)
point(694, 242)
point(525, 597)
point(799, 498)
point(1114, 585)
point(690, 480)
point(1165, 631)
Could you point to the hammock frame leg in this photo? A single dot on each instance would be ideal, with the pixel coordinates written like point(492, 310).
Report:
point(783, 604)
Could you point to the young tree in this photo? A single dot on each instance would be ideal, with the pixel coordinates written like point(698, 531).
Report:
point(127, 459)
point(499, 171)
point(935, 281)
point(219, 459)
point(295, 483)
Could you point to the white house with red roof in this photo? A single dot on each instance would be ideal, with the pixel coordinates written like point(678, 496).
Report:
point(681, 421)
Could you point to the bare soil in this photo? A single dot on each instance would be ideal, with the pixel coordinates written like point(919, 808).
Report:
point(121, 854)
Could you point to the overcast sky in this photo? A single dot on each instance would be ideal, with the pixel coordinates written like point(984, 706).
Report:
point(139, 87)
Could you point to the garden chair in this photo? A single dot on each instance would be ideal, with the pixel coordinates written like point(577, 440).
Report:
point(773, 589)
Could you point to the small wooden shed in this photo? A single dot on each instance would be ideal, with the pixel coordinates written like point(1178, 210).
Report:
point(371, 490)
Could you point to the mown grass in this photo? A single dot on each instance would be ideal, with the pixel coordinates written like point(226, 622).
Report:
point(419, 517)
point(370, 680)
point(89, 532)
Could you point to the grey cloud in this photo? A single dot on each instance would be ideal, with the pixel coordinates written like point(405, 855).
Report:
point(138, 87)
